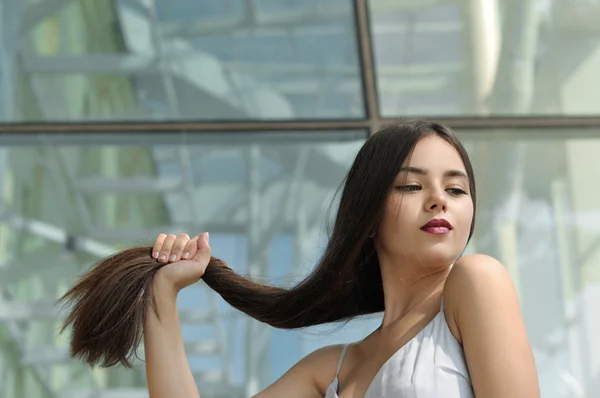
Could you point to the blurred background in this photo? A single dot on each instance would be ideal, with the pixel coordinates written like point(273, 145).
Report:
point(122, 119)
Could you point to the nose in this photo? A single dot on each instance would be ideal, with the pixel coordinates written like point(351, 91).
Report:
point(437, 201)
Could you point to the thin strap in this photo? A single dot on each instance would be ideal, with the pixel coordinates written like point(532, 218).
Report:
point(343, 354)
point(442, 305)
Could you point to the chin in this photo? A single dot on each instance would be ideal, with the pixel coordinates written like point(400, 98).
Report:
point(438, 256)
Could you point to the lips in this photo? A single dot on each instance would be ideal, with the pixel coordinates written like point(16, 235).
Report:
point(437, 227)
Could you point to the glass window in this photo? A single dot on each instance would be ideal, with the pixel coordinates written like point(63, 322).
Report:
point(537, 213)
point(68, 200)
point(482, 58)
point(165, 60)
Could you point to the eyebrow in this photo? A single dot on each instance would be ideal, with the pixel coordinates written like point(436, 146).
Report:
point(448, 173)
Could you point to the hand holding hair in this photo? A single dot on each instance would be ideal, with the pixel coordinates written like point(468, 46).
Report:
point(109, 302)
point(182, 270)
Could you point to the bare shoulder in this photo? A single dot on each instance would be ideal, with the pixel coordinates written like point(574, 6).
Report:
point(477, 267)
point(310, 377)
point(484, 314)
point(323, 364)
point(477, 282)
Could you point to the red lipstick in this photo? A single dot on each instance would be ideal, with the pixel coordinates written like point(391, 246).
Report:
point(437, 226)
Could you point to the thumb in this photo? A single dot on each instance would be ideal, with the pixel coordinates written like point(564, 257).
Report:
point(204, 251)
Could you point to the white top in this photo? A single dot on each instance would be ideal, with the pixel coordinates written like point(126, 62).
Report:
point(430, 365)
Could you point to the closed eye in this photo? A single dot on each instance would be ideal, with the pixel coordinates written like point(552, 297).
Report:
point(456, 191)
point(408, 188)
point(414, 188)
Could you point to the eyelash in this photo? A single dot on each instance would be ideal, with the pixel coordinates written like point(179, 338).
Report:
point(453, 191)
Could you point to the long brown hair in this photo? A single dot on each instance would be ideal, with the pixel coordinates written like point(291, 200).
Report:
point(110, 301)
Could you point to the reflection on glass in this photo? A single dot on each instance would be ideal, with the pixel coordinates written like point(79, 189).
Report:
point(201, 60)
point(264, 198)
point(265, 201)
point(537, 210)
point(486, 57)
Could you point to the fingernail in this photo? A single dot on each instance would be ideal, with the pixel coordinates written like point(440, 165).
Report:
point(186, 255)
point(155, 255)
point(207, 237)
point(162, 258)
point(173, 257)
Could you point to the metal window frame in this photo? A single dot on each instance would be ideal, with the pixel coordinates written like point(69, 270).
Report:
point(372, 122)
point(472, 123)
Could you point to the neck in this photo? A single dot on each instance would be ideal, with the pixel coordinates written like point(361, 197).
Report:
point(408, 287)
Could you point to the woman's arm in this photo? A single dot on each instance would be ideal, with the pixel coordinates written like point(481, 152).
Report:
point(485, 311)
point(169, 375)
point(167, 369)
point(308, 378)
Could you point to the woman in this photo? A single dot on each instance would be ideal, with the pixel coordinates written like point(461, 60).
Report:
point(451, 325)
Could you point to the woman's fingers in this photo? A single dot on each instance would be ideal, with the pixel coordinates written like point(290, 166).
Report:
point(171, 248)
point(165, 251)
point(190, 249)
point(158, 244)
point(178, 247)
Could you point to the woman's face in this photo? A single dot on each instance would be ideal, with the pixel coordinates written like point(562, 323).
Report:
point(428, 213)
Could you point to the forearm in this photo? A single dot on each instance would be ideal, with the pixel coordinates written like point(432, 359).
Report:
point(167, 369)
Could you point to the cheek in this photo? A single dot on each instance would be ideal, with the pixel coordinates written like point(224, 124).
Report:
point(466, 217)
point(398, 218)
